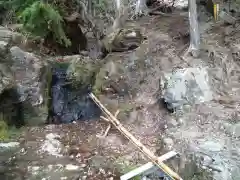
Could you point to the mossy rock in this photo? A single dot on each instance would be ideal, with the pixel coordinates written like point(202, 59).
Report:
point(100, 81)
point(38, 114)
point(123, 39)
point(18, 113)
point(7, 132)
point(110, 75)
point(81, 71)
point(194, 171)
point(3, 129)
point(6, 78)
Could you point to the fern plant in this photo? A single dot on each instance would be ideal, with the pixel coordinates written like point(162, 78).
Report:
point(38, 17)
point(41, 19)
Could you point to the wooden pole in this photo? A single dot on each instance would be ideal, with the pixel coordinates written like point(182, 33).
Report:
point(135, 141)
point(147, 167)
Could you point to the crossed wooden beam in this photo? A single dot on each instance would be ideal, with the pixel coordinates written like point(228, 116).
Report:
point(154, 159)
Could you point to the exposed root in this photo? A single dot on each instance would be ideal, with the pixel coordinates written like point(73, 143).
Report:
point(160, 13)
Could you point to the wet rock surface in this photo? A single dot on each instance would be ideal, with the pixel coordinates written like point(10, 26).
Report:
point(69, 104)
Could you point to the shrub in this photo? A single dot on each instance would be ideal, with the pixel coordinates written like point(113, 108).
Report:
point(39, 18)
point(8, 132)
point(3, 129)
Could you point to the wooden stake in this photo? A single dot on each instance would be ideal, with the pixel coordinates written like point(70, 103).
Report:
point(109, 126)
point(135, 141)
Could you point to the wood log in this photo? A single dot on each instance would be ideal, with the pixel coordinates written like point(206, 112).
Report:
point(135, 141)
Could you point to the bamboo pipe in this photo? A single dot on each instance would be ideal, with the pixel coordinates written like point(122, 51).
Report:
point(135, 141)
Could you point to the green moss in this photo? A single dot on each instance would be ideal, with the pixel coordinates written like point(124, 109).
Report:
point(3, 130)
point(81, 72)
point(99, 81)
point(127, 107)
point(109, 72)
point(60, 64)
point(34, 116)
point(7, 132)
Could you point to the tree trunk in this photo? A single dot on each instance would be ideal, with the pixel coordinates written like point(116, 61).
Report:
point(118, 6)
point(141, 7)
point(121, 16)
point(194, 47)
point(90, 7)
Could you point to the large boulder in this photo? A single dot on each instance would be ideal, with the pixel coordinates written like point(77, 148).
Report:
point(23, 87)
point(81, 70)
point(185, 87)
point(31, 80)
point(27, 69)
point(6, 75)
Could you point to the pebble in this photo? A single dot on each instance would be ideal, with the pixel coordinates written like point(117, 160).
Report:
point(22, 150)
point(102, 171)
point(83, 165)
point(168, 142)
point(71, 167)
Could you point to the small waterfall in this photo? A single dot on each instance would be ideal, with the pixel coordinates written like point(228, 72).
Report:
point(67, 103)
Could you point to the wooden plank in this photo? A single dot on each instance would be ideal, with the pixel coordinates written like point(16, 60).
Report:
point(146, 167)
point(135, 141)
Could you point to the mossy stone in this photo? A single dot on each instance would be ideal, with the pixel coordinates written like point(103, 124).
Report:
point(81, 71)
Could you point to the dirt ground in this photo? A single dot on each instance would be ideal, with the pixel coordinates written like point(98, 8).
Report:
point(97, 158)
